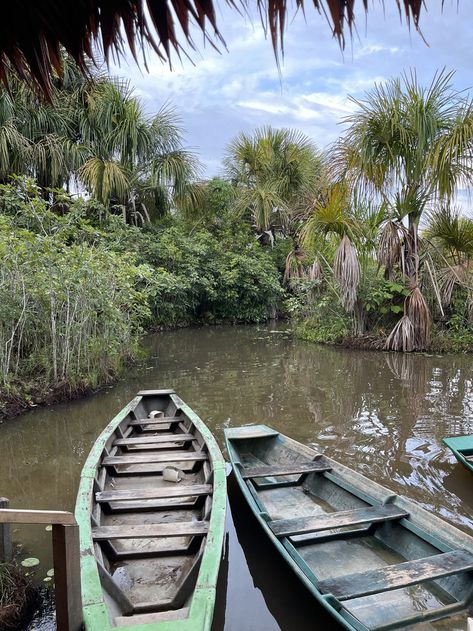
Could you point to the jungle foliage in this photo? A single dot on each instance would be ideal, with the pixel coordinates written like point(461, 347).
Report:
point(78, 285)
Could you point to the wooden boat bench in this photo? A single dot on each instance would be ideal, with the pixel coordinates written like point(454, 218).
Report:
point(154, 493)
point(154, 440)
point(149, 531)
point(340, 519)
point(397, 576)
point(159, 420)
point(174, 456)
point(290, 469)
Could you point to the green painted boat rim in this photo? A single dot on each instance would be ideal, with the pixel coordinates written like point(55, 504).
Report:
point(459, 445)
point(95, 611)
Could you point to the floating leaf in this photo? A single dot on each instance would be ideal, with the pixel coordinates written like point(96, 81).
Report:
point(50, 572)
point(47, 579)
point(49, 528)
point(31, 562)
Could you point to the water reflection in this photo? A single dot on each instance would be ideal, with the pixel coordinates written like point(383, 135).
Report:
point(383, 414)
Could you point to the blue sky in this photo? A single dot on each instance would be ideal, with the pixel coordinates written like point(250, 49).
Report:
point(221, 94)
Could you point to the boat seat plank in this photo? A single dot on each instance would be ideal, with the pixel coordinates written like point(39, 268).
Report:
point(469, 458)
point(162, 616)
point(316, 523)
point(290, 469)
point(173, 456)
point(159, 420)
point(172, 529)
point(162, 438)
point(154, 493)
point(397, 576)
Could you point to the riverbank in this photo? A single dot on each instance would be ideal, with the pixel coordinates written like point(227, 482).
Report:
point(443, 340)
point(15, 404)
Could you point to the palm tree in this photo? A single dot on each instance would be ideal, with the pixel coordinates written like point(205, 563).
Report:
point(411, 146)
point(451, 236)
point(96, 131)
point(276, 173)
point(131, 155)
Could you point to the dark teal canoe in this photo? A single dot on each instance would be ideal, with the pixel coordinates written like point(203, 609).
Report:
point(373, 559)
point(462, 447)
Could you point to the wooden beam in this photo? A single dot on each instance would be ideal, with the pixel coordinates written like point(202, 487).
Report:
point(146, 618)
point(6, 550)
point(327, 521)
point(154, 493)
point(163, 438)
point(397, 576)
point(290, 469)
point(67, 577)
point(159, 420)
point(147, 393)
point(17, 516)
point(172, 456)
point(172, 529)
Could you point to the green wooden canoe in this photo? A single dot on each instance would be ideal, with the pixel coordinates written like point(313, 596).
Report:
point(373, 559)
point(462, 447)
point(150, 546)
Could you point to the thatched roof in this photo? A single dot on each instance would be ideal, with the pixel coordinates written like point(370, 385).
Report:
point(33, 32)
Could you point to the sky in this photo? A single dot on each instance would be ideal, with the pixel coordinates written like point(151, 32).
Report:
point(220, 94)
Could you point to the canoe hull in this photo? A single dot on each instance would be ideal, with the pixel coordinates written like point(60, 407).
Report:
point(197, 612)
point(270, 501)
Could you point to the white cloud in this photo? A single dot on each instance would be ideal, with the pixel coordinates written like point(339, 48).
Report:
point(221, 94)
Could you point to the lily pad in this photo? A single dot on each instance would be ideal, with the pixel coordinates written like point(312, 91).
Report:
point(50, 573)
point(31, 562)
point(47, 579)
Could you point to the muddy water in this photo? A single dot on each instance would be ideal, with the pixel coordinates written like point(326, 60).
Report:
point(382, 414)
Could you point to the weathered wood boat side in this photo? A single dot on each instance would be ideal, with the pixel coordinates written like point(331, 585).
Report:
point(150, 545)
point(462, 448)
point(373, 559)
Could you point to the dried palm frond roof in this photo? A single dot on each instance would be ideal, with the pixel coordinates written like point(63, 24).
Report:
point(34, 32)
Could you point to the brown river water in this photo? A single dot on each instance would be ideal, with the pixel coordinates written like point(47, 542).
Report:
point(382, 414)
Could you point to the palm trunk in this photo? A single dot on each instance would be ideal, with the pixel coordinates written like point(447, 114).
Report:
point(412, 249)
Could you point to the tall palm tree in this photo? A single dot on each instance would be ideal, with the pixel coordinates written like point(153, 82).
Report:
point(410, 145)
point(276, 172)
point(95, 130)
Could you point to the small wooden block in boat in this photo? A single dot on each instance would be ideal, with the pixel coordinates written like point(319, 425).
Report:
point(397, 576)
point(159, 420)
point(173, 456)
point(172, 529)
point(154, 493)
point(290, 469)
point(315, 523)
point(163, 438)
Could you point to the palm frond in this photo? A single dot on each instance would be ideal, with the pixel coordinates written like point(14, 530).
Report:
point(347, 271)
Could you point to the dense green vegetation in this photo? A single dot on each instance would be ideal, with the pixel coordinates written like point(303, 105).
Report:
point(107, 232)
point(382, 240)
point(77, 287)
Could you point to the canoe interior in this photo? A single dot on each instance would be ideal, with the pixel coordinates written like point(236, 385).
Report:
point(347, 536)
point(149, 534)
